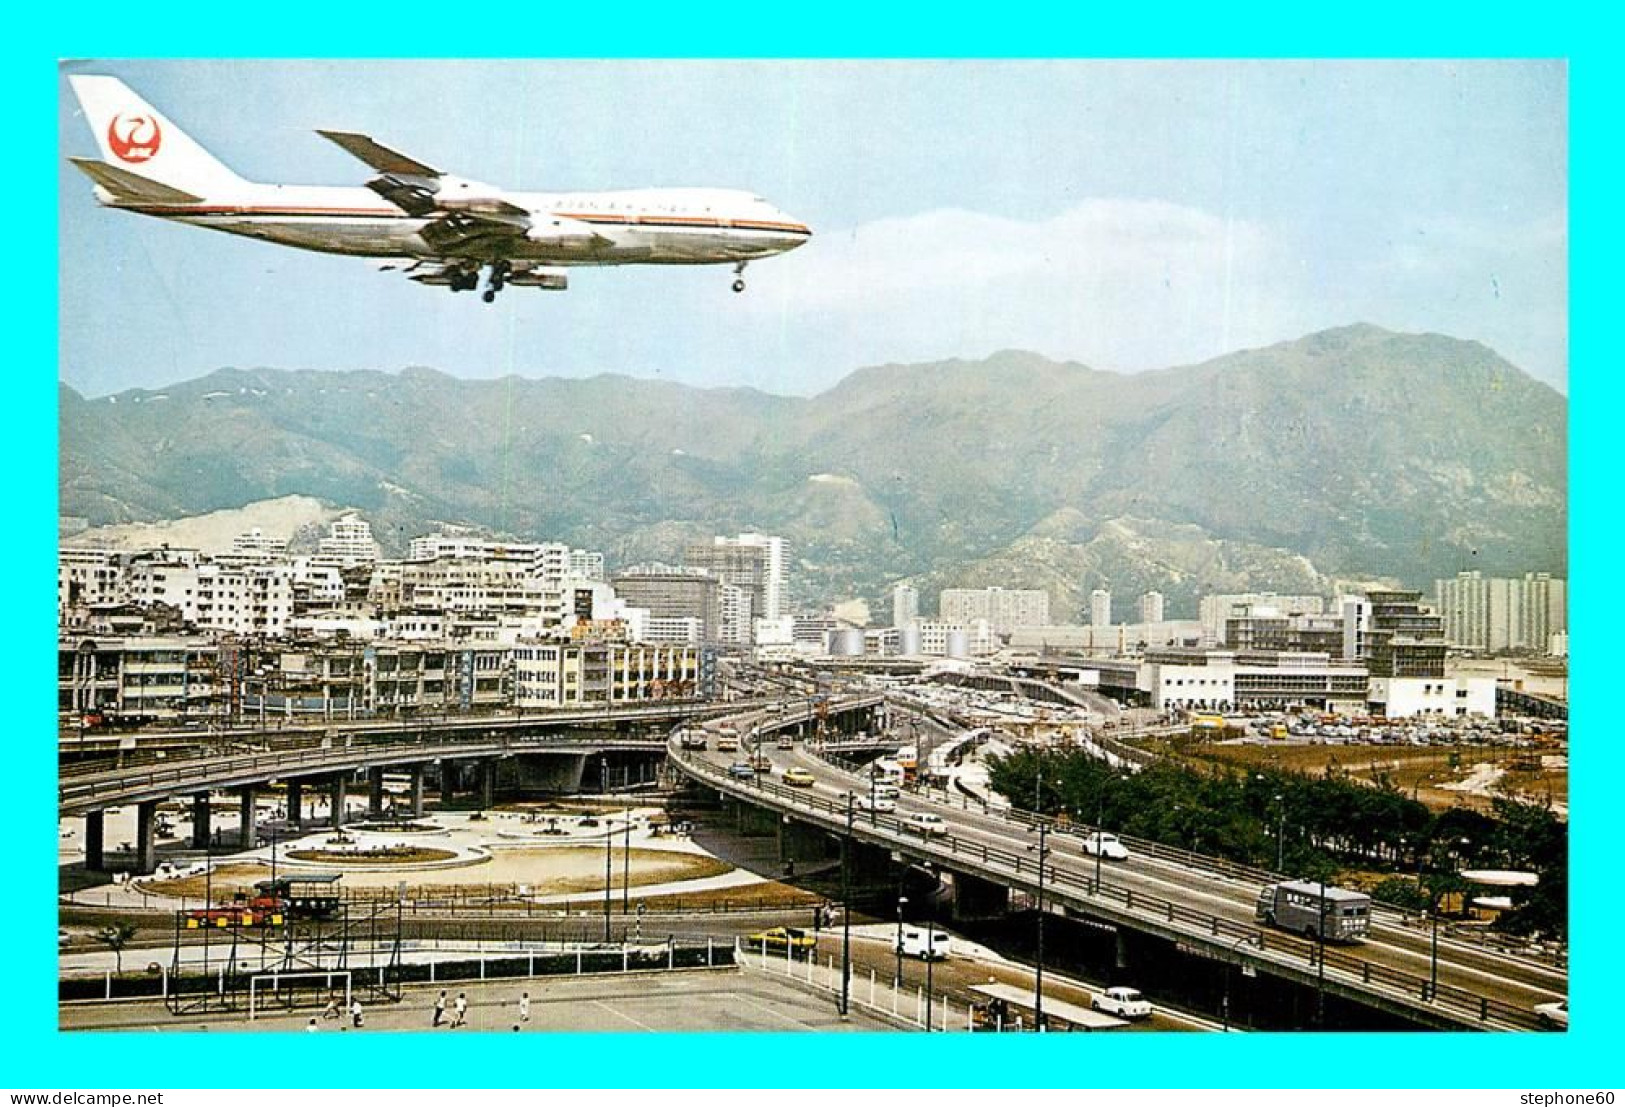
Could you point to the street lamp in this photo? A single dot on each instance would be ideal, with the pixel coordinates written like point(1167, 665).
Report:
point(609, 848)
point(930, 965)
point(1280, 833)
point(1038, 977)
point(846, 913)
point(626, 859)
point(897, 978)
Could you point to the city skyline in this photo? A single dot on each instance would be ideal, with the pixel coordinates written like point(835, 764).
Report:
point(1130, 216)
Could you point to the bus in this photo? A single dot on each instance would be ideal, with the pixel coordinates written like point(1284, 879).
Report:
point(1301, 906)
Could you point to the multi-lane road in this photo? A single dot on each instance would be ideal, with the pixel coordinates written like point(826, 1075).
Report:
point(1189, 899)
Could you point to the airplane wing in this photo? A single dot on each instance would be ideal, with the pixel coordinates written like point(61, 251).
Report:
point(377, 155)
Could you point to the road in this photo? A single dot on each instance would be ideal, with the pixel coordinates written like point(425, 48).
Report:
point(1518, 982)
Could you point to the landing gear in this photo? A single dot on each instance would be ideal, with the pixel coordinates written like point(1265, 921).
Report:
point(739, 286)
point(739, 279)
point(463, 281)
point(497, 280)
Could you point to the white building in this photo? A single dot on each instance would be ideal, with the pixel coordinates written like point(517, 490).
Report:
point(1214, 611)
point(1100, 608)
point(349, 538)
point(905, 605)
point(1446, 697)
point(1005, 609)
point(1502, 614)
point(257, 544)
point(944, 638)
point(1151, 607)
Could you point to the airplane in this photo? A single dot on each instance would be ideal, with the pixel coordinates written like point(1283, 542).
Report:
point(437, 228)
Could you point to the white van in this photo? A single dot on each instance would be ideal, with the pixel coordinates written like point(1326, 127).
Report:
point(927, 945)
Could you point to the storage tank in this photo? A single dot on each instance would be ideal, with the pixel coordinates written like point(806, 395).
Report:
point(908, 641)
point(847, 642)
point(958, 644)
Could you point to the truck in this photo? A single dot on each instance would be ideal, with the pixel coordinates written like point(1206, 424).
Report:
point(692, 739)
point(1315, 910)
point(928, 944)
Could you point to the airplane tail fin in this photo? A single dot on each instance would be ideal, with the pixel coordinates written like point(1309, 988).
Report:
point(137, 141)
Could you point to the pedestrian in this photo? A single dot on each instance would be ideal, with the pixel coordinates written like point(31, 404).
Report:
point(524, 1006)
point(461, 1007)
point(331, 1011)
point(440, 1009)
point(357, 1019)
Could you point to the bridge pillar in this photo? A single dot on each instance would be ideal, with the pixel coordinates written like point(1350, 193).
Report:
point(448, 779)
point(800, 842)
point(975, 898)
point(246, 818)
point(751, 821)
point(375, 793)
point(201, 813)
point(146, 837)
point(550, 772)
point(417, 791)
point(336, 792)
point(488, 784)
point(95, 838)
point(296, 803)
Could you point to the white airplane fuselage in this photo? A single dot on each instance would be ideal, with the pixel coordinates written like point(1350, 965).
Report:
point(672, 226)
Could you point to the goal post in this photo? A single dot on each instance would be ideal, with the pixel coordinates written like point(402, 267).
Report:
point(320, 983)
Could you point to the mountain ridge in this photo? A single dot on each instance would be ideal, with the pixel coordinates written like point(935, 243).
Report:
point(1363, 451)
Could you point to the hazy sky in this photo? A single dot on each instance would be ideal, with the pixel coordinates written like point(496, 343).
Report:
point(1128, 215)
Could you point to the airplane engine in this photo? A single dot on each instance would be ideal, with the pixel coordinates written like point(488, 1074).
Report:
point(553, 280)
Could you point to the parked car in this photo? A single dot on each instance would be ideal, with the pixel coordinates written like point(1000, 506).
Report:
point(798, 777)
point(742, 770)
point(1125, 1003)
point(925, 823)
point(1105, 845)
point(1554, 1016)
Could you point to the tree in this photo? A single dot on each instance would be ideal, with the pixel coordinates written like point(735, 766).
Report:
point(115, 938)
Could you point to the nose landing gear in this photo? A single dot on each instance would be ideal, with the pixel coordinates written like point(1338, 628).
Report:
point(739, 280)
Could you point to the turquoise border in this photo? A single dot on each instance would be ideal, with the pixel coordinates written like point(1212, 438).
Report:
point(38, 1056)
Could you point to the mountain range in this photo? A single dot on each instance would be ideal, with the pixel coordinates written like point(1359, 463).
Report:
point(1349, 454)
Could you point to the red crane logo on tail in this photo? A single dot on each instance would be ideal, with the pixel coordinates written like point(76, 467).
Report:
point(134, 138)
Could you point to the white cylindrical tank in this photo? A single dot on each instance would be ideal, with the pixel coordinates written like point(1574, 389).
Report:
point(958, 644)
point(848, 642)
point(908, 641)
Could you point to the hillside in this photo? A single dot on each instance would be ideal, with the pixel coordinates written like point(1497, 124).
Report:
point(1349, 453)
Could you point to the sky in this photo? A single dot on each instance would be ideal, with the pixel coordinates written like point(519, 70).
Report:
point(1126, 215)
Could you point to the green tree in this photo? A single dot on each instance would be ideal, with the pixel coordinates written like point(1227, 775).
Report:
point(115, 937)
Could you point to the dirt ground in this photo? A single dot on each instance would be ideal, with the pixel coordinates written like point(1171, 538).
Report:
point(1420, 771)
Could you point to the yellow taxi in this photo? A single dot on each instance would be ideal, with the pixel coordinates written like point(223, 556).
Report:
point(798, 778)
point(781, 938)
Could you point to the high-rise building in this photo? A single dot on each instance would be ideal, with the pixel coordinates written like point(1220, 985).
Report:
point(673, 593)
point(1151, 607)
point(1100, 608)
point(1004, 609)
point(905, 605)
point(1496, 613)
point(753, 562)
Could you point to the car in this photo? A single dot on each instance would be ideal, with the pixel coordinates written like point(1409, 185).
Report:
point(786, 742)
point(925, 823)
point(1125, 1003)
point(1554, 1016)
point(876, 803)
point(782, 938)
point(887, 791)
point(1101, 844)
point(798, 777)
point(926, 943)
point(742, 770)
point(728, 745)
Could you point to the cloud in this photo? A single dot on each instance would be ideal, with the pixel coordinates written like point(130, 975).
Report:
point(1117, 283)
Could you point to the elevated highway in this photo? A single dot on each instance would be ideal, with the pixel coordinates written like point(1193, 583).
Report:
point(1202, 905)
